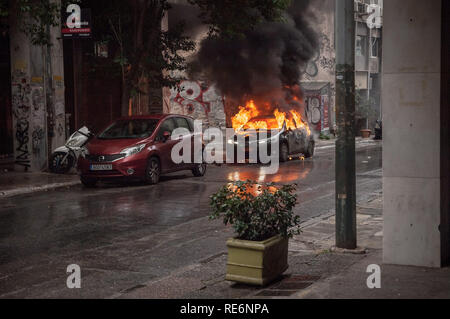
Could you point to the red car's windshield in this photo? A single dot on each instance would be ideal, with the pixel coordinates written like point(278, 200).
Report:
point(129, 129)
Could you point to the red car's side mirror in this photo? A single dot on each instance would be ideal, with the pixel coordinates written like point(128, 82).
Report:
point(166, 136)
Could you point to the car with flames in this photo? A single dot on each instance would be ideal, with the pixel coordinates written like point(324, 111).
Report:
point(290, 131)
point(136, 147)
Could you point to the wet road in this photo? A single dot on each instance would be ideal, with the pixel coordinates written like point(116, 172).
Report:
point(125, 235)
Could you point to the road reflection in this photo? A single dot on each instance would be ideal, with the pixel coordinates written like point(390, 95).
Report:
point(290, 173)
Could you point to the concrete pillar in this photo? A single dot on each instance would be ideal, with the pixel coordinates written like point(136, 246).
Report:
point(412, 148)
point(30, 103)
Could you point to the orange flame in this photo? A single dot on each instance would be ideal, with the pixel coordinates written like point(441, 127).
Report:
point(247, 118)
point(245, 115)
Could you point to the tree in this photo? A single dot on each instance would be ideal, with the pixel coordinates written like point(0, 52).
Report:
point(231, 18)
point(36, 17)
point(145, 52)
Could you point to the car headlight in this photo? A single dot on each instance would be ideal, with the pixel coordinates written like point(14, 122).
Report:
point(132, 150)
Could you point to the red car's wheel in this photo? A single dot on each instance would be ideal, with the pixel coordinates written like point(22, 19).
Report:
point(153, 171)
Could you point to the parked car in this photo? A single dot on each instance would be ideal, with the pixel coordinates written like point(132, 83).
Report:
point(291, 141)
point(136, 147)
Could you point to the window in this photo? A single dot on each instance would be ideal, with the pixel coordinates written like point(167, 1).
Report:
point(191, 124)
point(361, 45)
point(375, 47)
point(167, 126)
point(129, 129)
point(361, 8)
point(182, 123)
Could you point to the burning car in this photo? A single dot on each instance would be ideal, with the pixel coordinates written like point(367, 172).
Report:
point(287, 128)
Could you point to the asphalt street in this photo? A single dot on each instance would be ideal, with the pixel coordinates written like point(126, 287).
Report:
point(125, 235)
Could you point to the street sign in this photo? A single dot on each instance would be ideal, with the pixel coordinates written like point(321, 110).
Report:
point(76, 22)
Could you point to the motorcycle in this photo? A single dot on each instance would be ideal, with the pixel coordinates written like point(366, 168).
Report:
point(378, 130)
point(65, 157)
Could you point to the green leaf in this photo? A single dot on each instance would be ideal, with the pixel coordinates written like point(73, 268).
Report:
point(257, 211)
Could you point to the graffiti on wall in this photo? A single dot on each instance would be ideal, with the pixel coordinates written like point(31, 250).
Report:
point(323, 59)
point(21, 90)
point(327, 59)
point(21, 107)
point(38, 122)
point(23, 154)
point(38, 101)
point(60, 118)
point(199, 101)
point(60, 110)
point(38, 140)
point(320, 109)
point(313, 112)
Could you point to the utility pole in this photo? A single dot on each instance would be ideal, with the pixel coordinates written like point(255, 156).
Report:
point(345, 117)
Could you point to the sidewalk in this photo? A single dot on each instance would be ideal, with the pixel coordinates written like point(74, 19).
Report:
point(316, 269)
point(18, 183)
point(359, 141)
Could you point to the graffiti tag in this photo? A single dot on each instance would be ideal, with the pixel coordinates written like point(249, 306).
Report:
point(23, 156)
point(196, 100)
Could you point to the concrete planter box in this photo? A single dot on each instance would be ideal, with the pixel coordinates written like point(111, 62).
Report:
point(257, 262)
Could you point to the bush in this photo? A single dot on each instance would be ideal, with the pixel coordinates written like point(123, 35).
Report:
point(257, 211)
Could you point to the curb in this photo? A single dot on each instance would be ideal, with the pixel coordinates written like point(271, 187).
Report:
point(35, 189)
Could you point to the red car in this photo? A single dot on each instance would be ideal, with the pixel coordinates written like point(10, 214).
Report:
point(137, 147)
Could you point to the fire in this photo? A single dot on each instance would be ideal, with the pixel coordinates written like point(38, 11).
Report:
point(248, 118)
point(245, 114)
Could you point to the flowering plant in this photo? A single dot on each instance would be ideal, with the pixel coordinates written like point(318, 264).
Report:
point(257, 211)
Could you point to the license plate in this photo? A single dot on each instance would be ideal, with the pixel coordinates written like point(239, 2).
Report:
point(101, 167)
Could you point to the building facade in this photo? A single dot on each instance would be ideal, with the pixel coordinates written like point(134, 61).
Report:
point(318, 77)
point(368, 62)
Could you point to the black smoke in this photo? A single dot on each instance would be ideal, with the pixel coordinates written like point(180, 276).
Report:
point(265, 64)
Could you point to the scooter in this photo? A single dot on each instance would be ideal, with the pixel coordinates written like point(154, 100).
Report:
point(379, 130)
point(65, 157)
